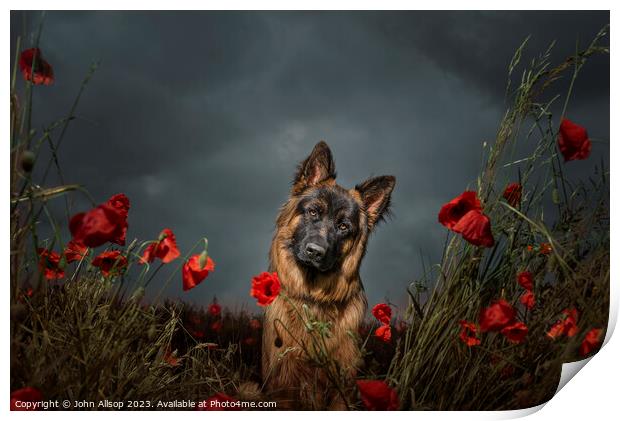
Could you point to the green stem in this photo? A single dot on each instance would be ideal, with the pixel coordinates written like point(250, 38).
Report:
point(161, 264)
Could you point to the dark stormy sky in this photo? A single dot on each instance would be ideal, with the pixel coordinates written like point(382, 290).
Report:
point(201, 117)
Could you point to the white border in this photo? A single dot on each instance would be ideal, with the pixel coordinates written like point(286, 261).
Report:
point(591, 395)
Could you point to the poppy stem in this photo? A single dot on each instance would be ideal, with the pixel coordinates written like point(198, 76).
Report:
point(183, 260)
point(161, 264)
point(501, 357)
point(79, 265)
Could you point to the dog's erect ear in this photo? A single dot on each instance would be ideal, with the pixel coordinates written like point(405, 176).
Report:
point(376, 194)
point(317, 167)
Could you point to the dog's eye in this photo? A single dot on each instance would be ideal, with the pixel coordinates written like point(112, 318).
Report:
point(343, 227)
point(312, 212)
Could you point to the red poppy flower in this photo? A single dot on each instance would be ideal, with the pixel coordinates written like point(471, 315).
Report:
point(194, 319)
point(567, 326)
point(42, 72)
point(526, 280)
point(545, 248)
point(165, 248)
point(475, 227)
point(216, 326)
point(171, 359)
point(120, 202)
point(214, 309)
point(219, 402)
point(106, 222)
point(515, 332)
point(512, 194)
point(468, 333)
point(556, 330)
point(48, 264)
point(528, 300)
point(74, 252)
point(29, 292)
point(496, 316)
point(24, 399)
point(110, 262)
point(570, 323)
point(382, 312)
point(452, 212)
point(265, 288)
point(193, 273)
point(198, 334)
point(249, 341)
point(255, 324)
point(573, 141)
point(384, 333)
point(591, 342)
point(377, 395)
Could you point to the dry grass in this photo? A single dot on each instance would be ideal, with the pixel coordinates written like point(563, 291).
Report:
point(435, 370)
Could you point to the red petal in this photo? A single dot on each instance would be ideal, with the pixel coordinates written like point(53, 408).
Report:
point(497, 316)
point(512, 194)
point(382, 312)
point(265, 288)
point(25, 395)
point(378, 396)
point(39, 74)
point(193, 274)
point(591, 342)
point(452, 212)
point(526, 280)
point(515, 332)
point(475, 227)
point(384, 333)
point(528, 300)
point(573, 141)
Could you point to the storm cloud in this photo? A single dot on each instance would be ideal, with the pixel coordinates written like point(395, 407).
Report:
point(201, 117)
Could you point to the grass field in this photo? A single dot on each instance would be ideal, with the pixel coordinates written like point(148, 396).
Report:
point(79, 332)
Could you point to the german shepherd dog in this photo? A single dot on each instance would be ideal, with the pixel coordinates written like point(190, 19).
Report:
point(318, 246)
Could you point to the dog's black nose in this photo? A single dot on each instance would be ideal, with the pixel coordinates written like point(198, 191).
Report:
point(314, 251)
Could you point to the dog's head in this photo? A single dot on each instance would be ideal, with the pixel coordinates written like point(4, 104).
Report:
point(328, 222)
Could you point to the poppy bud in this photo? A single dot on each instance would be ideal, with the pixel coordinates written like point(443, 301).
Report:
point(152, 332)
point(27, 160)
point(138, 294)
point(203, 259)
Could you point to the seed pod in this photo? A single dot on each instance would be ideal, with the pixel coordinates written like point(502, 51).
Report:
point(27, 160)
